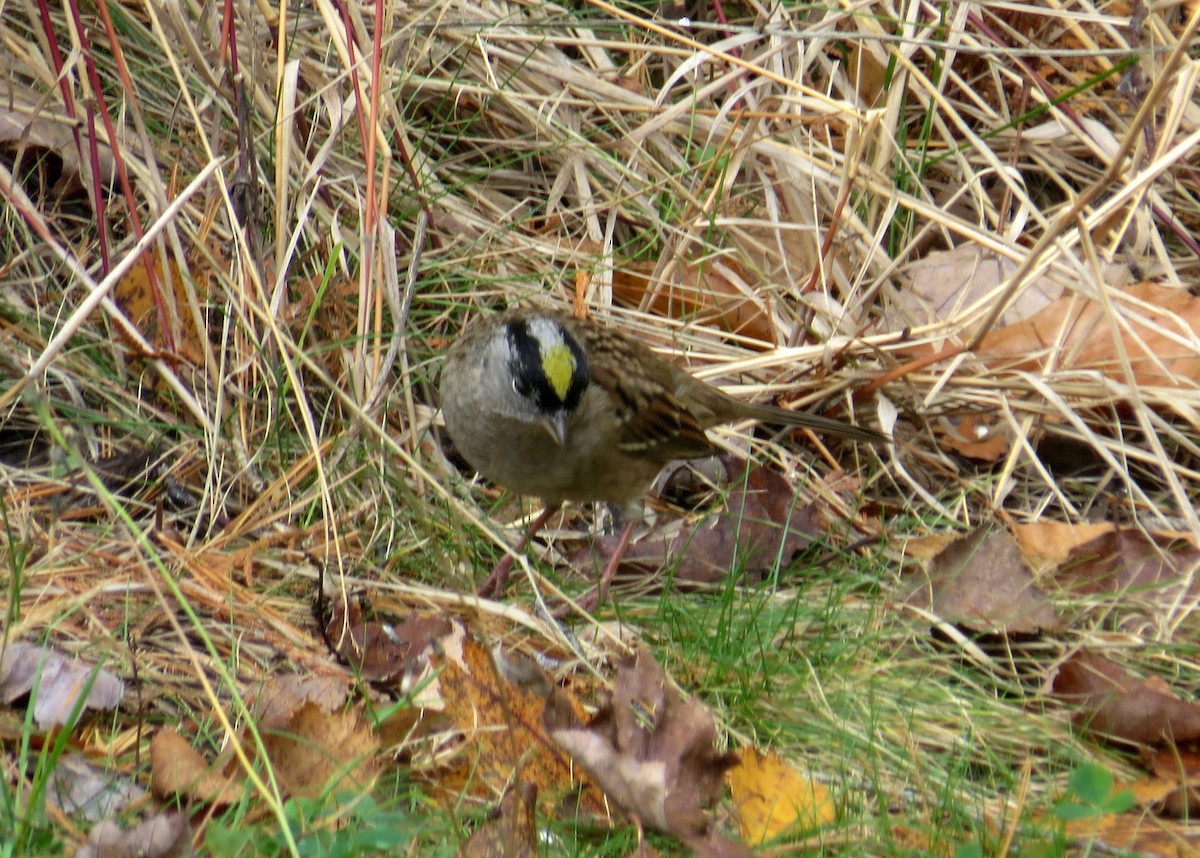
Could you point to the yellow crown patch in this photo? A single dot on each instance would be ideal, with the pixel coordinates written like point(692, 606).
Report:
point(558, 364)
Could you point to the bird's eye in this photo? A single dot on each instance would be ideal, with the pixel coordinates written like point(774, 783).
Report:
point(521, 387)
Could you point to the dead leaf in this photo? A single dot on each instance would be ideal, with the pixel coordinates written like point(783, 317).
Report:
point(514, 833)
point(1131, 562)
point(500, 726)
point(716, 293)
point(975, 436)
point(28, 121)
point(1046, 544)
point(1158, 325)
point(941, 284)
point(1112, 704)
point(155, 298)
point(177, 769)
point(925, 548)
point(166, 835)
point(283, 695)
point(87, 792)
point(382, 653)
point(759, 527)
point(650, 750)
point(981, 582)
point(60, 683)
point(311, 737)
point(1175, 788)
point(771, 797)
point(1134, 834)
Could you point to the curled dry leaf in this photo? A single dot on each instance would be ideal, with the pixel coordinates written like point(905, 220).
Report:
point(60, 683)
point(650, 750)
point(759, 527)
point(976, 436)
point(166, 835)
point(391, 655)
point(1111, 703)
point(980, 581)
point(28, 123)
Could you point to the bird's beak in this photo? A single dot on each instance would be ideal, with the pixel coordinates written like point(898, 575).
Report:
point(556, 425)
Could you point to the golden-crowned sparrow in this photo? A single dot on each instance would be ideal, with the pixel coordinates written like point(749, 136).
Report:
point(570, 410)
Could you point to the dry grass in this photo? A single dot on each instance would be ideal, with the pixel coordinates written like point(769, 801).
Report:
point(394, 169)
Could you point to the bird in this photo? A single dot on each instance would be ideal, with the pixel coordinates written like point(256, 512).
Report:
point(565, 409)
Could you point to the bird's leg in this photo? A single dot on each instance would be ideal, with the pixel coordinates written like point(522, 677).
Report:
point(494, 585)
point(614, 562)
point(590, 601)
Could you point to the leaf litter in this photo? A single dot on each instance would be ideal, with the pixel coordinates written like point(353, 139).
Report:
point(797, 267)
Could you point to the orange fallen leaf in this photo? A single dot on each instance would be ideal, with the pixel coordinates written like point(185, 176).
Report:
point(1156, 324)
point(771, 797)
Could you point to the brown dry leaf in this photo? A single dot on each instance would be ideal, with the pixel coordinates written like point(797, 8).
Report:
point(28, 121)
point(975, 436)
point(283, 695)
point(650, 750)
point(1112, 704)
point(925, 548)
point(1082, 338)
point(176, 769)
point(866, 70)
point(315, 749)
point(60, 683)
point(514, 833)
point(1046, 544)
point(380, 652)
point(940, 285)
point(1158, 567)
point(1134, 834)
point(715, 294)
point(770, 796)
point(500, 725)
point(309, 738)
point(759, 526)
point(166, 835)
point(981, 582)
point(1174, 790)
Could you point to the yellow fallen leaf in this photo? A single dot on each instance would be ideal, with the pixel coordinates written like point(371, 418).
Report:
point(770, 796)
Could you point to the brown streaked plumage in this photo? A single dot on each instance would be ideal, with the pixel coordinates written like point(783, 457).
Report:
point(564, 409)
